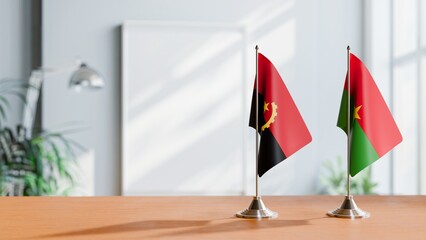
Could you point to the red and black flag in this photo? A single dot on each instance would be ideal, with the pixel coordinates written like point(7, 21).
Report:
point(281, 127)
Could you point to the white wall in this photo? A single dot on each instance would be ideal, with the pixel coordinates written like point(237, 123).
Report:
point(340, 23)
point(395, 46)
point(15, 47)
point(305, 39)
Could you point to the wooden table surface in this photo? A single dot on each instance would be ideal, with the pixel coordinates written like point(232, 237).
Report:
point(300, 217)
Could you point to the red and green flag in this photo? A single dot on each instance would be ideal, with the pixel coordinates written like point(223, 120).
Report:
point(281, 127)
point(373, 131)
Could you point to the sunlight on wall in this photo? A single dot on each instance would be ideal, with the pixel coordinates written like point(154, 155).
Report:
point(406, 115)
point(396, 54)
point(405, 12)
point(280, 45)
point(214, 45)
point(265, 13)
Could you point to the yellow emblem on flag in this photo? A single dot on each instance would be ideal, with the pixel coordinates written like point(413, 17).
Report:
point(356, 110)
point(273, 115)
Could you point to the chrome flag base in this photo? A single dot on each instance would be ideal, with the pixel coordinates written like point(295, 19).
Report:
point(257, 209)
point(349, 209)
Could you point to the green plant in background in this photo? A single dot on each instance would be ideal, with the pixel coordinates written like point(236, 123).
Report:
point(10, 87)
point(43, 164)
point(334, 177)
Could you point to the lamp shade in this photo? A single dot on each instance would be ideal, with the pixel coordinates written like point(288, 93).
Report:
point(86, 77)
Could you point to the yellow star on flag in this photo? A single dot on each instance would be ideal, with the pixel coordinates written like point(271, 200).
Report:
point(266, 107)
point(356, 110)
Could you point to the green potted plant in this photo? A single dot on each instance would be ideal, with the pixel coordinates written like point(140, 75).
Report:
point(333, 180)
point(33, 166)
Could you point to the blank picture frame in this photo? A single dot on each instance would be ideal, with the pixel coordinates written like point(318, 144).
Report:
point(184, 115)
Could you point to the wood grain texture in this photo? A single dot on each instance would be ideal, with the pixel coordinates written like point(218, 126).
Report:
point(300, 217)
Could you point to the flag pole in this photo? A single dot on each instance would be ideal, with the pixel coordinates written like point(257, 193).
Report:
point(257, 208)
point(348, 209)
point(348, 193)
point(257, 122)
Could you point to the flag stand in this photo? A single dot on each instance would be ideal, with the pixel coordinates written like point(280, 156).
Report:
point(257, 208)
point(348, 209)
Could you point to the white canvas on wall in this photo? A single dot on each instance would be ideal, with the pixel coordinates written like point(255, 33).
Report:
point(183, 116)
